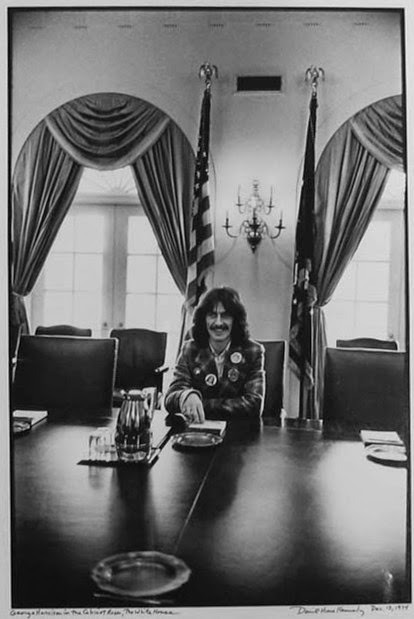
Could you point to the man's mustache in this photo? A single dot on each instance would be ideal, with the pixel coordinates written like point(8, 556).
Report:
point(219, 328)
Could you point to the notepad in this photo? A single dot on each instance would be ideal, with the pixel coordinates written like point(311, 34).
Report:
point(31, 417)
point(214, 426)
point(380, 437)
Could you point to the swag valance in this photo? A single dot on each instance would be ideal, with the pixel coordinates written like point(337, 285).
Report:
point(106, 131)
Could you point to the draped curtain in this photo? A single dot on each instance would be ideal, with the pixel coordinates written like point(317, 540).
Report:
point(349, 180)
point(163, 176)
point(103, 131)
point(44, 184)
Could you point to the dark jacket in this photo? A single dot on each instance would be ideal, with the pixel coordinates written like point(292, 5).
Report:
point(239, 393)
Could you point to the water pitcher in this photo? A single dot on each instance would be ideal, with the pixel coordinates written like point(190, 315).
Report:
point(133, 436)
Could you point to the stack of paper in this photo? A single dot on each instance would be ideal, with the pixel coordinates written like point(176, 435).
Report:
point(379, 437)
point(214, 426)
point(31, 417)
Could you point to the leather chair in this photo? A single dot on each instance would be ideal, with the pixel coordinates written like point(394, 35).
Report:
point(64, 373)
point(141, 355)
point(63, 330)
point(368, 342)
point(275, 368)
point(365, 389)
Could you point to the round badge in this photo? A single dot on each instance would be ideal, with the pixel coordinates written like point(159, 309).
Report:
point(235, 357)
point(233, 374)
point(197, 371)
point(211, 380)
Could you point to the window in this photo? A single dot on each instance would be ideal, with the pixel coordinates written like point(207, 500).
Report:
point(151, 292)
point(70, 288)
point(369, 300)
point(105, 270)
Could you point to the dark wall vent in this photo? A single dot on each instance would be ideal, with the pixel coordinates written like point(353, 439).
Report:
point(259, 83)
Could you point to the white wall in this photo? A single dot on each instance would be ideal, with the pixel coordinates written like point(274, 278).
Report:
point(155, 55)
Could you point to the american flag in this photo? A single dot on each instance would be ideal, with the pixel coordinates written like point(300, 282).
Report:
point(304, 291)
point(201, 252)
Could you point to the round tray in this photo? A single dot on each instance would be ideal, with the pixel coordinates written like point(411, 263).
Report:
point(21, 427)
point(393, 455)
point(196, 440)
point(137, 574)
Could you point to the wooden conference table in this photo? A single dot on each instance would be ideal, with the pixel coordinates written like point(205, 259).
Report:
point(272, 516)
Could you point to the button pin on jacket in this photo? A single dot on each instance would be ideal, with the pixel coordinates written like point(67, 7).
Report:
point(235, 357)
point(233, 374)
point(211, 380)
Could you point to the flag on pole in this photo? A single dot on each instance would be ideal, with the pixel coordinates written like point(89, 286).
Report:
point(201, 252)
point(304, 291)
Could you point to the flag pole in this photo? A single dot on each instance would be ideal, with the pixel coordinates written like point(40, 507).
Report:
point(301, 349)
point(201, 242)
point(307, 408)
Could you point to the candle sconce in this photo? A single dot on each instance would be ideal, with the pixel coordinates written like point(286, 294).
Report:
point(254, 227)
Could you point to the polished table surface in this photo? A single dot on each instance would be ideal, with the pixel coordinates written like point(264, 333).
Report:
point(272, 516)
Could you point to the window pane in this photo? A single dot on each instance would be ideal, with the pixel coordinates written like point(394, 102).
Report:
point(141, 273)
point(58, 308)
point(87, 310)
point(88, 272)
point(59, 272)
point(166, 284)
point(371, 320)
point(141, 239)
point(347, 286)
point(169, 312)
point(376, 243)
point(65, 237)
point(89, 233)
point(340, 317)
point(372, 281)
point(140, 311)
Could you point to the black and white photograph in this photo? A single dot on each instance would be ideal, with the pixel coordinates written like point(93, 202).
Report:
point(206, 309)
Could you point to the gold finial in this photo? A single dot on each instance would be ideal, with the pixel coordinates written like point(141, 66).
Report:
point(207, 71)
point(312, 75)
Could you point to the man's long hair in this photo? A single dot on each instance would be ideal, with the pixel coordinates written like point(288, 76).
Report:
point(232, 304)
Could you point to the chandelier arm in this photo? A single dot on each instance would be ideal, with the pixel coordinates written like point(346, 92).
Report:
point(227, 228)
point(279, 229)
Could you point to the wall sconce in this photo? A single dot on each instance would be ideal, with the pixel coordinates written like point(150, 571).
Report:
point(254, 228)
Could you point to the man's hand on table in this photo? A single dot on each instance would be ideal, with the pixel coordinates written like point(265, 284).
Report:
point(192, 409)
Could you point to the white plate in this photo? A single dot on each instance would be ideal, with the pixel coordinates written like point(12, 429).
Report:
point(387, 454)
point(137, 574)
point(196, 440)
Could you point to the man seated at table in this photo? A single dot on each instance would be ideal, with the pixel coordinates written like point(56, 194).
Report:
point(219, 373)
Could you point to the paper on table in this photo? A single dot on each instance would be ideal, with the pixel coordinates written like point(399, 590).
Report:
point(380, 437)
point(30, 416)
point(214, 426)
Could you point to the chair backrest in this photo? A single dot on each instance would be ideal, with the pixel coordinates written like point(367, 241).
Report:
point(63, 330)
point(368, 342)
point(275, 369)
point(140, 352)
point(366, 389)
point(64, 373)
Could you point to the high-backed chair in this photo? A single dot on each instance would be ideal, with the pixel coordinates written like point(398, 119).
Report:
point(64, 373)
point(141, 355)
point(274, 367)
point(368, 342)
point(365, 389)
point(63, 330)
